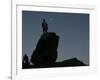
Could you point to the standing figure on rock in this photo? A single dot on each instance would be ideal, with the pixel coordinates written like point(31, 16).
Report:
point(44, 26)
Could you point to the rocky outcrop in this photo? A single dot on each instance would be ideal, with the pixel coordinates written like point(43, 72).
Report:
point(69, 63)
point(74, 62)
point(45, 53)
point(25, 63)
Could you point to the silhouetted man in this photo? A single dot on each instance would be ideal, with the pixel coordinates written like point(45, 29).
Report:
point(44, 26)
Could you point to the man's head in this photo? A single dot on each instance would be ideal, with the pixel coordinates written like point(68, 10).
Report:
point(43, 20)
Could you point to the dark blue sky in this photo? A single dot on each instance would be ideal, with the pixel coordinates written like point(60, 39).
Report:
point(72, 28)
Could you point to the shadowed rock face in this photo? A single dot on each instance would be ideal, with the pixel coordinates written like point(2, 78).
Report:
point(66, 63)
point(25, 62)
point(45, 54)
point(46, 50)
point(69, 62)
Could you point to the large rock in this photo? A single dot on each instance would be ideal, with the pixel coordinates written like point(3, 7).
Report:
point(74, 62)
point(46, 50)
point(69, 63)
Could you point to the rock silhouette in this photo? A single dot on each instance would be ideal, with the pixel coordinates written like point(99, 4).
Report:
point(26, 62)
point(45, 53)
point(46, 50)
point(66, 63)
point(69, 62)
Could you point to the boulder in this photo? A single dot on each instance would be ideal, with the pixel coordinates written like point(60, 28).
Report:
point(46, 50)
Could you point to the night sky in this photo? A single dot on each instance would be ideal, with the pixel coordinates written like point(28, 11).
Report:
point(73, 29)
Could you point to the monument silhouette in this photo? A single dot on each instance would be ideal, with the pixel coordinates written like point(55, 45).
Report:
point(46, 54)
